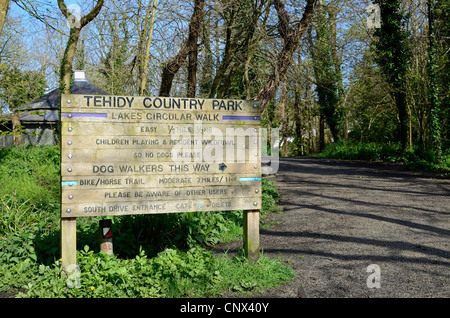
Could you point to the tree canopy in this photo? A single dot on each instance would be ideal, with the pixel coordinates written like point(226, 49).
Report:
point(324, 71)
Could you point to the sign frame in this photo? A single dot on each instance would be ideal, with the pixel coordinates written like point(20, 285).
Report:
point(130, 126)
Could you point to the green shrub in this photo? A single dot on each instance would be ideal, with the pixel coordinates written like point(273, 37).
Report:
point(244, 277)
point(31, 174)
point(172, 273)
point(362, 151)
point(417, 158)
point(270, 196)
point(16, 216)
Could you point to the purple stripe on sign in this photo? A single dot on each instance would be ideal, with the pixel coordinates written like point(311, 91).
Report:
point(241, 118)
point(70, 115)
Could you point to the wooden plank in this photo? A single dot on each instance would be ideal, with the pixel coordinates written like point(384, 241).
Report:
point(143, 117)
point(77, 128)
point(175, 155)
point(161, 181)
point(85, 101)
point(187, 142)
point(127, 194)
point(158, 116)
point(155, 207)
point(156, 155)
point(117, 169)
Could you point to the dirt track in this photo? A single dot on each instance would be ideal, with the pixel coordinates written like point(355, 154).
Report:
point(340, 217)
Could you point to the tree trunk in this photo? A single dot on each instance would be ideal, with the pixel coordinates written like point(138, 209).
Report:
point(71, 47)
point(16, 129)
point(144, 47)
point(298, 122)
point(321, 132)
point(400, 100)
point(227, 57)
point(172, 67)
point(291, 37)
point(67, 61)
point(284, 122)
point(253, 45)
point(435, 110)
point(208, 65)
point(194, 32)
point(393, 54)
point(4, 6)
point(325, 72)
point(332, 9)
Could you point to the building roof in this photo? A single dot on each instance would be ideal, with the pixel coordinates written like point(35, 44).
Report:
point(45, 108)
point(51, 100)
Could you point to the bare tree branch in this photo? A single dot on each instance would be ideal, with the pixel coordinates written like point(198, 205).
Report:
point(291, 38)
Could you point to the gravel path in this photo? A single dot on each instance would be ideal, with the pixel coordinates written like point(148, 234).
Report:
point(341, 217)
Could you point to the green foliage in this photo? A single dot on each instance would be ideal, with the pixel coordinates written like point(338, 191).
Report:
point(437, 78)
point(172, 273)
point(18, 88)
point(417, 158)
point(183, 230)
point(371, 117)
point(269, 119)
point(392, 43)
point(393, 55)
point(326, 75)
point(17, 217)
point(245, 277)
point(362, 151)
point(421, 159)
point(442, 11)
point(270, 196)
point(206, 228)
point(237, 86)
point(31, 174)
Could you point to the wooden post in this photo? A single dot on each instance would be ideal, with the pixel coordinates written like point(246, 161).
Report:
point(251, 234)
point(68, 242)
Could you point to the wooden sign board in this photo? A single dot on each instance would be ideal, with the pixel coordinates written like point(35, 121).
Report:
point(138, 155)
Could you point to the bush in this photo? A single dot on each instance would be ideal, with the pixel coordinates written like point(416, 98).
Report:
point(362, 151)
point(182, 230)
point(416, 158)
point(270, 196)
point(172, 273)
point(31, 174)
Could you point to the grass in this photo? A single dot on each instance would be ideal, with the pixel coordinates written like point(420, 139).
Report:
point(362, 151)
point(155, 255)
point(415, 159)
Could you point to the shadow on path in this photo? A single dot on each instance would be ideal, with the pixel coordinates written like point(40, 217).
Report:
point(341, 216)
